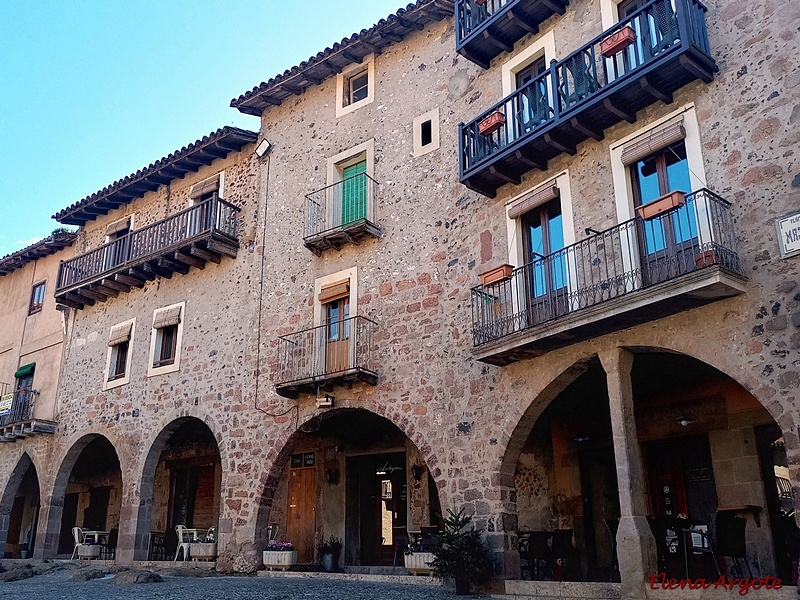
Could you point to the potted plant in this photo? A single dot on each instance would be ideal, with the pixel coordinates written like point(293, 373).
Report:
point(491, 123)
point(416, 561)
point(460, 553)
point(329, 554)
point(619, 40)
point(279, 555)
point(659, 205)
point(497, 274)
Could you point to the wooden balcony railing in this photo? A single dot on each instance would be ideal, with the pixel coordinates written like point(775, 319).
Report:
point(622, 261)
point(189, 238)
point(485, 29)
point(585, 93)
point(327, 355)
point(341, 213)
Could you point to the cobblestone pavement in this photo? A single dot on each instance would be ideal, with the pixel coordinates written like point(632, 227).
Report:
point(58, 586)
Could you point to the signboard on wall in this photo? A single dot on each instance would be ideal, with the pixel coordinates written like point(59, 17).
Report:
point(6, 402)
point(788, 229)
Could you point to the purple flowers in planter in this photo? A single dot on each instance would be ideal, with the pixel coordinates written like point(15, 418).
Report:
point(272, 545)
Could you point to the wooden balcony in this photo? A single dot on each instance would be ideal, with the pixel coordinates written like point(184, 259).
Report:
point(635, 272)
point(190, 238)
point(326, 356)
point(17, 416)
point(485, 29)
point(342, 213)
point(584, 94)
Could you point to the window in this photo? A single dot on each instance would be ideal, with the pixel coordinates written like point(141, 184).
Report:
point(350, 195)
point(199, 195)
point(119, 355)
point(334, 302)
point(37, 298)
point(165, 341)
point(116, 252)
point(355, 86)
point(426, 132)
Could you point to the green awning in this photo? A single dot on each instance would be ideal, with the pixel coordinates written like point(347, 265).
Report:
point(25, 370)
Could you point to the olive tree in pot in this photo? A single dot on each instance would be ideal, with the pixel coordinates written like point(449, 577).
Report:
point(329, 554)
point(460, 553)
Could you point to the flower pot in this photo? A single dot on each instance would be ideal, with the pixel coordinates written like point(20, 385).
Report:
point(492, 123)
point(330, 563)
point(663, 204)
point(498, 274)
point(619, 40)
point(280, 560)
point(418, 563)
point(89, 551)
point(203, 551)
point(706, 258)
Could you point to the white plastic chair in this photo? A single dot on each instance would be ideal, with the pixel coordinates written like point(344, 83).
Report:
point(77, 535)
point(182, 543)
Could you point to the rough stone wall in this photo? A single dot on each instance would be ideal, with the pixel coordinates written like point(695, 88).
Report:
point(415, 281)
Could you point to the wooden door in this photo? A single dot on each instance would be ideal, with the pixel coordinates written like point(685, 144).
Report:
point(301, 514)
point(543, 239)
point(337, 347)
point(354, 192)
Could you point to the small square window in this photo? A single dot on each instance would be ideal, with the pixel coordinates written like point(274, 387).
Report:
point(119, 361)
point(426, 132)
point(37, 297)
point(359, 87)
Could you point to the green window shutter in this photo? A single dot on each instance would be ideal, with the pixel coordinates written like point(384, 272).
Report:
point(25, 370)
point(354, 192)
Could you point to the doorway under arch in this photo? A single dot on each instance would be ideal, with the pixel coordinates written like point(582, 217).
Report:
point(19, 510)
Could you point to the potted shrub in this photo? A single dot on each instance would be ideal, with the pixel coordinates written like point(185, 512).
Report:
point(460, 553)
point(329, 554)
point(279, 555)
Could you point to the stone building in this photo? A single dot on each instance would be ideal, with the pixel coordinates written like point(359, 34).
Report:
point(31, 348)
point(618, 391)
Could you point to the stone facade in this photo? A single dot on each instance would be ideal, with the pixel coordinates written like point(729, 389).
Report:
point(469, 422)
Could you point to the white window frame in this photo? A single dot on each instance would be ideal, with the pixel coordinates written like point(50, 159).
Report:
point(154, 333)
point(623, 183)
point(343, 85)
point(109, 385)
point(544, 45)
point(335, 171)
point(320, 282)
point(220, 193)
point(433, 117)
point(131, 225)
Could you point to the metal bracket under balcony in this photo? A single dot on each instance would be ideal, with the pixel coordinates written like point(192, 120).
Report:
point(191, 238)
point(342, 213)
point(636, 272)
point(340, 353)
point(25, 429)
point(581, 96)
point(486, 28)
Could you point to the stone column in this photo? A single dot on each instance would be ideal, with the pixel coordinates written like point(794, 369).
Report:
point(636, 546)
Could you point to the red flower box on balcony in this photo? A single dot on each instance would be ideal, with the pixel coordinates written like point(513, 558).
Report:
point(659, 205)
point(497, 274)
point(619, 40)
point(492, 123)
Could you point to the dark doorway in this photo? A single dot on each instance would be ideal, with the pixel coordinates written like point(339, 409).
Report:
point(69, 519)
point(377, 502)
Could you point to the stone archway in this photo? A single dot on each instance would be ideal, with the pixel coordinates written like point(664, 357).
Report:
point(19, 509)
point(180, 484)
point(87, 492)
point(341, 453)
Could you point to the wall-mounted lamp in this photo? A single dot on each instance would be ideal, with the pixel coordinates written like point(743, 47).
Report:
point(264, 146)
point(417, 472)
point(332, 476)
point(684, 420)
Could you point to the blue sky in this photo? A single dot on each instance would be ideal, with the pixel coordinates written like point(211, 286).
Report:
point(91, 91)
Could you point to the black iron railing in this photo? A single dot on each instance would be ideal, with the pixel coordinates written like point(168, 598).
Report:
point(214, 215)
point(327, 351)
point(341, 205)
point(21, 409)
point(556, 94)
point(629, 257)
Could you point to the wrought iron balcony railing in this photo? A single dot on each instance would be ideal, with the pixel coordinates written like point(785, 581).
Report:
point(189, 238)
point(486, 28)
point(326, 355)
point(585, 93)
point(21, 408)
point(621, 261)
point(341, 213)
